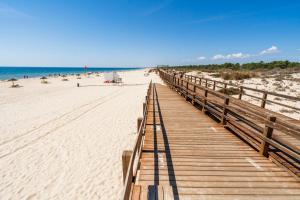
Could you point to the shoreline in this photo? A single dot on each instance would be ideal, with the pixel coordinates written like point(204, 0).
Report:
point(35, 74)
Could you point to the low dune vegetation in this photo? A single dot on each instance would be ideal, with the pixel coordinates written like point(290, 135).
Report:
point(263, 66)
point(280, 70)
point(235, 75)
point(230, 91)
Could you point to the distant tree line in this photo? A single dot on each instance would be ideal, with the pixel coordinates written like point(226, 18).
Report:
point(246, 66)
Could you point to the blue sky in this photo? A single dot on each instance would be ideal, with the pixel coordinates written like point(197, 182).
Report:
point(147, 32)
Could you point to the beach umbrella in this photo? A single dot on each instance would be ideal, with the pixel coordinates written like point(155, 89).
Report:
point(13, 81)
point(43, 79)
point(78, 76)
point(64, 78)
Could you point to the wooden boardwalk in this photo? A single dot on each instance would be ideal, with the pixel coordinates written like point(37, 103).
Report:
point(187, 155)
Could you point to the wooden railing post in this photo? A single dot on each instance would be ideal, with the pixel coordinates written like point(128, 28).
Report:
point(139, 121)
point(206, 83)
point(194, 93)
point(187, 90)
point(125, 162)
point(205, 100)
point(181, 87)
point(268, 131)
point(144, 107)
point(241, 92)
point(174, 81)
point(214, 87)
point(226, 102)
point(264, 99)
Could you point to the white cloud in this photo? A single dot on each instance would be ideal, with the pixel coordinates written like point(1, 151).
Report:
point(201, 58)
point(271, 50)
point(218, 57)
point(230, 56)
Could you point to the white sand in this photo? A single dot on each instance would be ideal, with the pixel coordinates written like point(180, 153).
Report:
point(286, 87)
point(58, 141)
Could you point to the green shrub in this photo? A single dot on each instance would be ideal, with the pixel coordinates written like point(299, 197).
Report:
point(230, 91)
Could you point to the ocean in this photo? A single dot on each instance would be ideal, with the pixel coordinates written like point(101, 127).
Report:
point(19, 72)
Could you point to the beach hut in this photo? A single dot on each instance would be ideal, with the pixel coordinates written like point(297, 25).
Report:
point(111, 77)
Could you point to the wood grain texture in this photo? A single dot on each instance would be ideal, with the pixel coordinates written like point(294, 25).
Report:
point(187, 155)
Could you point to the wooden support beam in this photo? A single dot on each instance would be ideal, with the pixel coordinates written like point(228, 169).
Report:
point(268, 131)
point(187, 91)
point(264, 99)
point(226, 103)
point(241, 92)
point(205, 100)
point(139, 122)
point(194, 93)
point(144, 108)
point(125, 162)
point(181, 93)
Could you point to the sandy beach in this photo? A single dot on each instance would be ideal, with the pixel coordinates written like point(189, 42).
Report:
point(59, 141)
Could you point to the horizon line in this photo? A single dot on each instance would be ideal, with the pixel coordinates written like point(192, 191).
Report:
point(72, 67)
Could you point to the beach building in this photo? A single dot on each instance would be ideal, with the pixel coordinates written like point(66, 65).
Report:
point(112, 77)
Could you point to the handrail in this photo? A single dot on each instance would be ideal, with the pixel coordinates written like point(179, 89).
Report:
point(265, 93)
point(255, 122)
point(136, 148)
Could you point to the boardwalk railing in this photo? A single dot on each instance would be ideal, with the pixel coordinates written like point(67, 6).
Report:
point(136, 152)
point(244, 91)
point(253, 124)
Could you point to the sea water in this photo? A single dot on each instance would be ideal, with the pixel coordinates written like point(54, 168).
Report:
point(19, 72)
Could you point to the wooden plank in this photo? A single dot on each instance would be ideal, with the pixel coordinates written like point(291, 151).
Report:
point(186, 154)
point(203, 184)
point(239, 191)
point(136, 192)
point(188, 172)
point(220, 178)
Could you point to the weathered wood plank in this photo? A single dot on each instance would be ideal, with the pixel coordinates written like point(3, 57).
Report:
point(186, 154)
